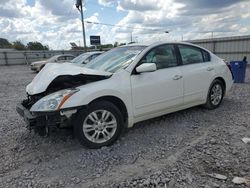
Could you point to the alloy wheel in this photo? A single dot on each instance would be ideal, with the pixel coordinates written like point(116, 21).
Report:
point(99, 126)
point(216, 94)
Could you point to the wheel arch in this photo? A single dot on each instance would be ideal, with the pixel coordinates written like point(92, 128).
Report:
point(223, 81)
point(116, 101)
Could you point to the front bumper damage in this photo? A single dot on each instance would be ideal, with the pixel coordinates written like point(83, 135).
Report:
point(60, 119)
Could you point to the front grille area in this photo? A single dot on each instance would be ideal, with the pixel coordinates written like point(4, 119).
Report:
point(31, 100)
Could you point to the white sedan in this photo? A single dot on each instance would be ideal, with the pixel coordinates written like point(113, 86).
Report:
point(124, 86)
point(38, 65)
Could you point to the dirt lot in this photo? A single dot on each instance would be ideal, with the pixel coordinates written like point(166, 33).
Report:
point(182, 149)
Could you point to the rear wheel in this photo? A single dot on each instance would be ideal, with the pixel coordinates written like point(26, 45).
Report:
point(98, 125)
point(215, 94)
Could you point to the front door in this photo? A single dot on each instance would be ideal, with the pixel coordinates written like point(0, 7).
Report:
point(159, 90)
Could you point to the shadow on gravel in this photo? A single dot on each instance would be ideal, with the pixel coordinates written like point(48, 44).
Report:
point(165, 125)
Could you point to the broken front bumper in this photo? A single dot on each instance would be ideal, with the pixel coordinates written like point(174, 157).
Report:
point(29, 118)
point(43, 119)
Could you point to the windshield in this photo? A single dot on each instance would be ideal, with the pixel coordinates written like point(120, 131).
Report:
point(80, 59)
point(115, 59)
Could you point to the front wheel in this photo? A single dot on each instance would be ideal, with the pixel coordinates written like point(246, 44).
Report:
point(215, 94)
point(98, 125)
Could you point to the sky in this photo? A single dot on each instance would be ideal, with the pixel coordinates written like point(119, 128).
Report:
point(56, 23)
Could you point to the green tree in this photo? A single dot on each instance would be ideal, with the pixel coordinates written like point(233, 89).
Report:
point(46, 47)
point(36, 46)
point(18, 45)
point(4, 43)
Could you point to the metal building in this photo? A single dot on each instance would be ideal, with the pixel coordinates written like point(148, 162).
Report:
point(228, 48)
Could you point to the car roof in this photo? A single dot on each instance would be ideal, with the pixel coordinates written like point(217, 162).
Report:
point(93, 52)
point(162, 43)
point(63, 55)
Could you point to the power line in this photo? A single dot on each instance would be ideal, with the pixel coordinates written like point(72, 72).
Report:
point(129, 27)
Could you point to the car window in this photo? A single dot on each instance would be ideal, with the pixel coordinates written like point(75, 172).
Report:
point(80, 59)
point(61, 58)
point(94, 56)
point(87, 60)
point(190, 55)
point(206, 56)
point(69, 57)
point(91, 57)
point(163, 56)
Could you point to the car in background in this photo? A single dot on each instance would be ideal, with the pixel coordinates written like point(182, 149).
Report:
point(38, 65)
point(85, 57)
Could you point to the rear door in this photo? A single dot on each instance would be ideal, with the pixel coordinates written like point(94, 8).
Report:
point(197, 70)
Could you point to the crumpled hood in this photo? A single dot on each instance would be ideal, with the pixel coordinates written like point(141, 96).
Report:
point(52, 70)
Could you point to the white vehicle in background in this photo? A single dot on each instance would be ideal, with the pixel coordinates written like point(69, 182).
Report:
point(85, 57)
point(124, 86)
point(38, 65)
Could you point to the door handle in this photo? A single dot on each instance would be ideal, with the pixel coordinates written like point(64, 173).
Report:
point(177, 77)
point(210, 68)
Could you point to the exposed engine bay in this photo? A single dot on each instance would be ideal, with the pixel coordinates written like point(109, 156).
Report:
point(63, 82)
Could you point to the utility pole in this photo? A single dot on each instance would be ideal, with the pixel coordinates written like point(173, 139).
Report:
point(79, 6)
point(131, 37)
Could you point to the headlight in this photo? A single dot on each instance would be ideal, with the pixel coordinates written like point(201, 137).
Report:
point(53, 101)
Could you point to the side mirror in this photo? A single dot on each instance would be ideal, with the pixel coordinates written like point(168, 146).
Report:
point(146, 67)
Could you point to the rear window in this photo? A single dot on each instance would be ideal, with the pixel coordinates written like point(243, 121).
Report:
point(192, 54)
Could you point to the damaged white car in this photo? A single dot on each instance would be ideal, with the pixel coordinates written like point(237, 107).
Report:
point(124, 86)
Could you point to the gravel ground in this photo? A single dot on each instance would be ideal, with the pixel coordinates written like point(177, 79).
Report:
point(181, 149)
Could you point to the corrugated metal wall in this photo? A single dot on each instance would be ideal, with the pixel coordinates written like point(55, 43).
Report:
point(229, 48)
point(14, 57)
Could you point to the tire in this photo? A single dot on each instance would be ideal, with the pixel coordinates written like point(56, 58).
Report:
point(93, 127)
point(215, 95)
